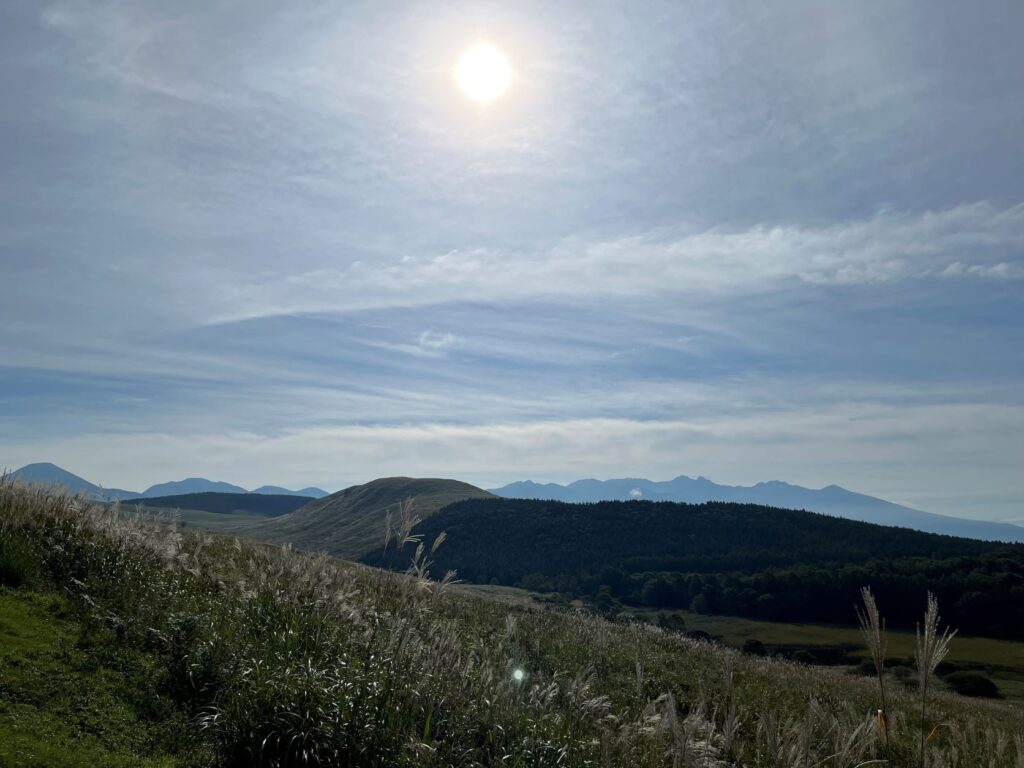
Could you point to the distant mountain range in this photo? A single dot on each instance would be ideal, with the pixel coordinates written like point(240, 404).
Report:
point(50, 474)
point(831, 500)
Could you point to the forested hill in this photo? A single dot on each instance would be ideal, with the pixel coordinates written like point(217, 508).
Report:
point(729, 558)
point(225, 503)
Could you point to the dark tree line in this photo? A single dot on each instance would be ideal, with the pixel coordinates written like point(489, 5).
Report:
point(735, 559)
point(270, 505)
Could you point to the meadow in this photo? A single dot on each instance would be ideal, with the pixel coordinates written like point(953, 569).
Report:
point(180, 647)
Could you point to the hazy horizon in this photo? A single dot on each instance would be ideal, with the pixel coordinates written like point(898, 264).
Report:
point(277, 244)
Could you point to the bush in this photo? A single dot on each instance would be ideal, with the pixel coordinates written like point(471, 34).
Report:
point(672, 621)
point(17, 564)
point(754, 648)
point(972, 684)
point(804, 657)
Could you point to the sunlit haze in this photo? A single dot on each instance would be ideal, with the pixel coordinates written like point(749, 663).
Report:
point(483, 72)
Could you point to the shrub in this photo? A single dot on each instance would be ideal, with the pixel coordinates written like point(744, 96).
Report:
point(17, 563)
point(700, 634)
point(754, 648)
point(804, 657)
point(972, 684)
point(866, 667)
point(672, 621)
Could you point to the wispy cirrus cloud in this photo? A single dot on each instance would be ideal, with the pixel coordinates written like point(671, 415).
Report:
point(975, 241)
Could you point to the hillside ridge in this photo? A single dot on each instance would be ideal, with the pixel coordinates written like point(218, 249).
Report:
point(350, 523)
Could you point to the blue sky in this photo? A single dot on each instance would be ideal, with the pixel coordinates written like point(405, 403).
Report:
point(273, 243)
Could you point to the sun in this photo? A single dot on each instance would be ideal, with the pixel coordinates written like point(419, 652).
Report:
point(483, 73)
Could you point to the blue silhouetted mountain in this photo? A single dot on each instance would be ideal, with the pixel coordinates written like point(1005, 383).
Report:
point(831, 500)
point(51, 475)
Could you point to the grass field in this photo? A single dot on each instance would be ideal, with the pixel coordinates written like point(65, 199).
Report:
point(67, 702)
point(736, 631)
point(1001, 660)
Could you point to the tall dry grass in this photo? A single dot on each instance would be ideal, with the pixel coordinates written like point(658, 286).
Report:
point(872, 627)
point(287, 658)
point(931, 648)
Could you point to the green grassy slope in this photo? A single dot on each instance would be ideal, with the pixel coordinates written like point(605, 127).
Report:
point(350, 523)
point(69, 699)
point(1000, 660)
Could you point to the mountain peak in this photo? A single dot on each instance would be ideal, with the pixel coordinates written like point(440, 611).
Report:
point(49, 474)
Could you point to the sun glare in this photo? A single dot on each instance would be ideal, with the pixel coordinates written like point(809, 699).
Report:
point(483, 73)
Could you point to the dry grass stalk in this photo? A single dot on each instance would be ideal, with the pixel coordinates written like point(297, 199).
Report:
point(932, 647)
point(872, 626)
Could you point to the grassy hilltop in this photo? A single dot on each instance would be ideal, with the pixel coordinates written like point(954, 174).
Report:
point(181, 648)
point(351, 522)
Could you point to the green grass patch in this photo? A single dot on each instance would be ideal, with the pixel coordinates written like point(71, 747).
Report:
point(735, 631)
point(70, 698)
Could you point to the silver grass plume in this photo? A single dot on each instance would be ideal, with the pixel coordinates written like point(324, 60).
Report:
point(931, 649)
point(872, 626)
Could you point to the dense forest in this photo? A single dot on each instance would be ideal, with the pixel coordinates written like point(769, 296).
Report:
point(271, 505)
point(735, 559)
